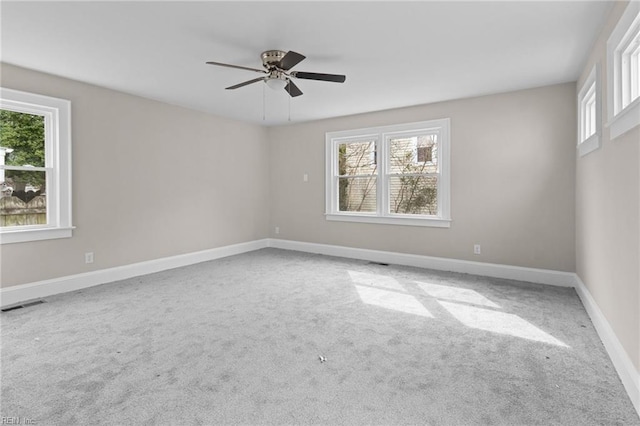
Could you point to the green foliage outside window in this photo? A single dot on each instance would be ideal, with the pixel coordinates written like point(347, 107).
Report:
point(24, 134)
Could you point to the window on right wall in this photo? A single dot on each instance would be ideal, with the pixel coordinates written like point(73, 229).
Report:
point(623, 72)
point(589, 120)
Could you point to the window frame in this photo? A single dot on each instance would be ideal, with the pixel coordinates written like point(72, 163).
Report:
point(623, 114)
point(590, 89)
point(382, 136)
point(57, 168)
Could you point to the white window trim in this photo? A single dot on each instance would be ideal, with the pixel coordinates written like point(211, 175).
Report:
point(381, 136)
point(587, 144)
point(619, 119)
point(57, 113)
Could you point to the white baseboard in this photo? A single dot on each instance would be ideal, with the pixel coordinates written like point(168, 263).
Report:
point(621, 361)
point(22, 293)
point(541, 276)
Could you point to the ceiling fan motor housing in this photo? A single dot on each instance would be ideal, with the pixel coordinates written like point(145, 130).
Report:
point(271, 58)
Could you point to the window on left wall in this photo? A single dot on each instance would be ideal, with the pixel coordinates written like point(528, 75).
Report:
point(35, 167)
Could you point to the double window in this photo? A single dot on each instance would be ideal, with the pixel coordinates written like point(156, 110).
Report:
point(623, 72)
point(35, 167)
point(393, 174)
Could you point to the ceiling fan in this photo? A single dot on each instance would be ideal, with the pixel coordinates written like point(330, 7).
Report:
point(277, 65)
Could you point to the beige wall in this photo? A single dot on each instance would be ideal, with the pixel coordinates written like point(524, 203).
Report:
point(608, 217)
point(512, 180)
point(149, 180)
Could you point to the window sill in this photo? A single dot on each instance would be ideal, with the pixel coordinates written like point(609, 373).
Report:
point(625, 120)
point(391, 220)
point(24, 235)
point(588, 145)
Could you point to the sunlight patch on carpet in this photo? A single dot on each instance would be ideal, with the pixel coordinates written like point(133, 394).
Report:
point(498, 322)
point(392, 300)
point(376, 280)
point(456, 294)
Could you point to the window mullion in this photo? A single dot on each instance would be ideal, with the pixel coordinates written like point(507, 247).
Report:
point(25, 168)
point(383, 196)
point(356, 176)
point(52, 217)
point(333, 172)
point(634, 58)
point(414, 174)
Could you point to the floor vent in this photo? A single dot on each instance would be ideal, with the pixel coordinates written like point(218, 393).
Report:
point(24, 305)
point(378, 263)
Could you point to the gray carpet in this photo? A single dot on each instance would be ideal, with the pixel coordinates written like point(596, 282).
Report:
point(239, 340)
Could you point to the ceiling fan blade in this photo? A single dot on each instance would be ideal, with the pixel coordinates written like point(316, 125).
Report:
point(290, 60)
point(255, 80)
point(236, 66)
point(292, 89)
point(336, 78)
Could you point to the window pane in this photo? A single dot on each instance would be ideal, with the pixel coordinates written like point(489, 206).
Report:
point(21, 139)
point(590, 119)
point(357, 194)
point(23, 199)
point(414, 154)
point(413, 194)
point(357, 158)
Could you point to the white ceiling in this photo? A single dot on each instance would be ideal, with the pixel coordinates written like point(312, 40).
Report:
point(394, 54)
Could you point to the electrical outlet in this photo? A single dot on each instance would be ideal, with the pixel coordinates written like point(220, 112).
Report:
point(305, 177)
point(476, 249)
point(277, 229)
point(88, 257)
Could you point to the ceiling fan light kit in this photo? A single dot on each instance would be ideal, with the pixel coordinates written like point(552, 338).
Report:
point(277, 65)
point(276, 83)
